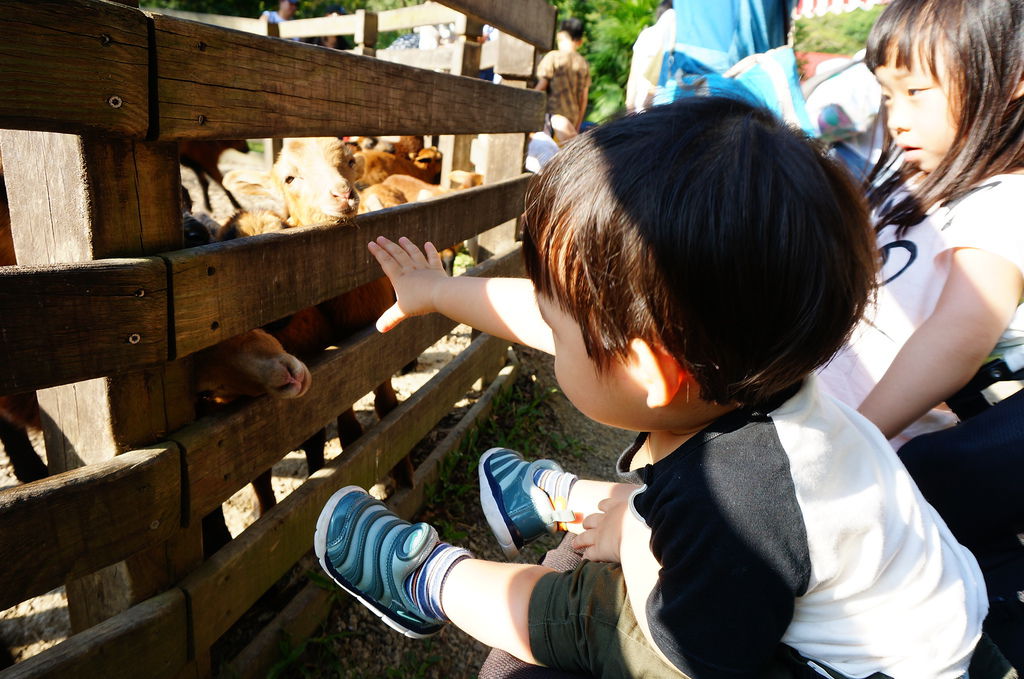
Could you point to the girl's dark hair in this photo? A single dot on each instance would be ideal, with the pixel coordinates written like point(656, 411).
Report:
point(976, 50)
point(709, 228)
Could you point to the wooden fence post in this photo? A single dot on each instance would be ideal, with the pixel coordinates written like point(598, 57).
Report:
point(81, 198)
point(366, 36)
point(501, 156)
point(271, 146)
point(465, 61)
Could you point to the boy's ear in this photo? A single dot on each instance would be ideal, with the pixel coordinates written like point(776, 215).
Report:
point(1019, 92)
point(657, 372)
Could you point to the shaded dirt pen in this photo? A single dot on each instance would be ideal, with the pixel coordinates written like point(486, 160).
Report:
point(105, 310)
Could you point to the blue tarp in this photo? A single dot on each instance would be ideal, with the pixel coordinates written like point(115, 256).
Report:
point(712, 35)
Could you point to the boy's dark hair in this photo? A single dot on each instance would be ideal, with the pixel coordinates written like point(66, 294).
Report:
point(709, 228)
point(974, 48)
point(573, 26)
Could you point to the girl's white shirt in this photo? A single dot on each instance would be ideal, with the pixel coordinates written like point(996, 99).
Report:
point(914, 271)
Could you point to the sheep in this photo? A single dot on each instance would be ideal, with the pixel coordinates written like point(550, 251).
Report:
point(425, 165)
point(201, 157)
point(414, 190)
point(314, 180)
point(249, 223)
point(381, 196)
point(408, 146)
point(405, 146)
point(250, 364)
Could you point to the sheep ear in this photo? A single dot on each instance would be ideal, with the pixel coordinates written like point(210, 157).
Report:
point(251, 183)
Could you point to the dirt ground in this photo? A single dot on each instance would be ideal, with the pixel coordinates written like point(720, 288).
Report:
point(353, 642)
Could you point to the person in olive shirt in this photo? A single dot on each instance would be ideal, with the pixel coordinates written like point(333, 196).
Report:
point(565, 75)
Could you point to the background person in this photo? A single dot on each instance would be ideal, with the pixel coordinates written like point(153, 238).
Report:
point(565, 75)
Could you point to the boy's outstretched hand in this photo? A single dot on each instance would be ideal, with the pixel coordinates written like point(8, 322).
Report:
point(414, 274)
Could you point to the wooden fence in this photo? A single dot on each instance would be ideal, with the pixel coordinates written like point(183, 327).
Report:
point(105, 309)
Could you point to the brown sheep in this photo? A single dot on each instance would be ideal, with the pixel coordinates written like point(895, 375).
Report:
point(380, 196)
point(315, 180)
point(249, 223)
point(312, 181)
point(414, 190)
point(425, 165)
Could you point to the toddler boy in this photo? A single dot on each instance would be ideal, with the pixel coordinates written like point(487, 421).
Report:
point(689, 267)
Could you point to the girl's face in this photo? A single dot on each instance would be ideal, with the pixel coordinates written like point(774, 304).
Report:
point(919, 114)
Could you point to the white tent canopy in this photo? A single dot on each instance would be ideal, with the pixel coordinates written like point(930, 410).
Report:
point(806, 9)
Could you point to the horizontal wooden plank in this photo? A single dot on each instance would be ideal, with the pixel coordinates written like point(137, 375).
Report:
point(310, 28)
point(296, 622)
point(224, 289)
point(65, 323)
point(265, 429)
point(247, 24)
point(225, 586)
point(74, 523)
point(429, 13)
point(529, 20)
point(304, 613)
point(214, 83)
point(148, 640)
point(439, 59)
point(74, 66)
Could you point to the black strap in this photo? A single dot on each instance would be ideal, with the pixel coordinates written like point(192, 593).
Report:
point(970, 400)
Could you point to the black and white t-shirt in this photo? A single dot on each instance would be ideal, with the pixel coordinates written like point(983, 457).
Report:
point(799, 525)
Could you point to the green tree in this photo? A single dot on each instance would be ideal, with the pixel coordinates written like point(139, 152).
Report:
point(610, 29)
point(252, 8)
point(835, 33)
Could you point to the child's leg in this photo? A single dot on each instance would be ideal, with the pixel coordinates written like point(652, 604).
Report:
point(414, 582)
point(491, 602)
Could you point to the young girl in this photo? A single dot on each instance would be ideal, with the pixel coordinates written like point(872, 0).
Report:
point(948, 218)
point(948, 222)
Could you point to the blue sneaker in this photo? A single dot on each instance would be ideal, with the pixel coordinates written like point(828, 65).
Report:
point(371, 553)
point(516, 509)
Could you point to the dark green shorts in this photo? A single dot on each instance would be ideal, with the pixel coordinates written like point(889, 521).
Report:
point(581, 621)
